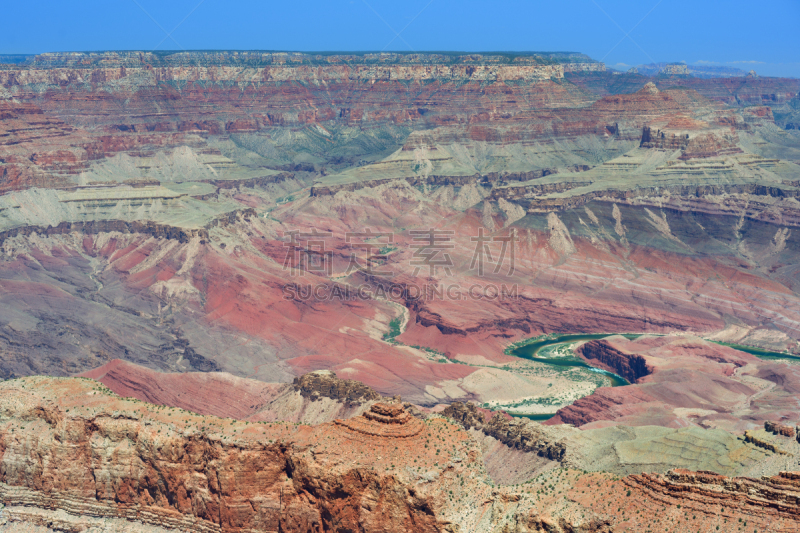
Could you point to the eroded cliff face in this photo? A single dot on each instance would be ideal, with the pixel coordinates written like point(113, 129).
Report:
point(70, 446)
point(180, 474)
point(602, 355)
point(770, 500)
point(325, 384)
point(513, 432)
point(73, 454)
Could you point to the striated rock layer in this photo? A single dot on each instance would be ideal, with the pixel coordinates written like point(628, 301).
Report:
point(72, 452)
point(96, 455)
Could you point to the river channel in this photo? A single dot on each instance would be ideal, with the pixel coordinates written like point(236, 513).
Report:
point(531, 351)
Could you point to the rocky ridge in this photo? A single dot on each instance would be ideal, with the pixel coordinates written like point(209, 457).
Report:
point(515, 433)
point(315, 385)
point(168, 468)
point(603, 355)
point(176, 470)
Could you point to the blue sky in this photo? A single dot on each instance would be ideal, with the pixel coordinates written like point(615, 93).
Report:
point(738, 33)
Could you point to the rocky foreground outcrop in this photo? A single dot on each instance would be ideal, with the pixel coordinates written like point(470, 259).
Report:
point(770, 501)
point(72, 448)
point(73, 455)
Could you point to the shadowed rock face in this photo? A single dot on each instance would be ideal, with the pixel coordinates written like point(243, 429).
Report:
point(779, 429)
point(601, 354)
point(680, 381)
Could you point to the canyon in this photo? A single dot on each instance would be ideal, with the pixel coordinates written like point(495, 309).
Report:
point(261, 291)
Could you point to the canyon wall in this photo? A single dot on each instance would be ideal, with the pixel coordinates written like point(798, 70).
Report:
point(601, 354)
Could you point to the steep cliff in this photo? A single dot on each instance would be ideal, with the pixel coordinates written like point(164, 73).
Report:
point(602, 355)
point(70, 447)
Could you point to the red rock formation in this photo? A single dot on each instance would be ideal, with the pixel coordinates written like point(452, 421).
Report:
point(663, 141)
point(95, 455)
point(40, 150)
point(70, 451)
point(708, 145)
point(197, 478)
point(384, 421)
point(601, 354)
point(677, 382)
point(774, 498)
point(649, 102)
point(778, 429)
point(352, 93)
point(207, 393)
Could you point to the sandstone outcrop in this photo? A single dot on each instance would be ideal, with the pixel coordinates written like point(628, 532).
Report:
point(384, 421)
point(325, 384)
point(602, 355)
point(662, 140)
point(752, 437)
point(760, 501)
point(382, 470)
point(96, 455)
point(778, 429)
point(515, 433)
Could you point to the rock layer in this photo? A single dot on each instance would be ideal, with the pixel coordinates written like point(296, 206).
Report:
point(102, 456)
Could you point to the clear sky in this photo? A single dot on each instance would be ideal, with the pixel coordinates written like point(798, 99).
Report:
point(747, 34)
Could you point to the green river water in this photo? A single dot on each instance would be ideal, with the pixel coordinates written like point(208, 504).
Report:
point(530, 351)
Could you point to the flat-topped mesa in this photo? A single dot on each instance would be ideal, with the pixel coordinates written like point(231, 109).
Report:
point(663, 140)
point(384, 420)
point(256, 58)
point(277, 67)
point(324, 383)
point(779, 429)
